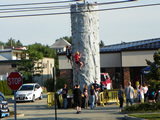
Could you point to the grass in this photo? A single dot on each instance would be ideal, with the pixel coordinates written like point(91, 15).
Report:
point(155, 116)
point(8, 96)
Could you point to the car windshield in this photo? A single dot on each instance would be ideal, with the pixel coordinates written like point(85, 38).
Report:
point(2, 99)
point(26, 87)
point(103, 78)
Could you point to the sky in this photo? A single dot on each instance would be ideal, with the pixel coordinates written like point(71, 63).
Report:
point(115, 26)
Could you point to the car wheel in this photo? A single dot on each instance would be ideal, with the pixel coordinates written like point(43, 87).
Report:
point(33, 99)
point(41, 96)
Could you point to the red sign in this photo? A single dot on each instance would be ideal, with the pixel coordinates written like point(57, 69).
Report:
point(14, 81)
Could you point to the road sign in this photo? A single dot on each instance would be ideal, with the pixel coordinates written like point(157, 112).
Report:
point(14, 81)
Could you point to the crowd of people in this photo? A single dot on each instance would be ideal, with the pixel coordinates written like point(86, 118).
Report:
point(91, 95)
point(144, 94)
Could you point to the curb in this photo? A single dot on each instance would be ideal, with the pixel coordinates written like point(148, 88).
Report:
point(19, 115)
point(126, 117)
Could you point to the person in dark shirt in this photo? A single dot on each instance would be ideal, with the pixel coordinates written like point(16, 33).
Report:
point(77, 98)
point(92, 94)
point(102, 86)
point(64, 95)
point(120, 97)
point(96, 88)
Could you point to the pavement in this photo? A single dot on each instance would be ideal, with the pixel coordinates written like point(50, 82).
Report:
point(109, 112)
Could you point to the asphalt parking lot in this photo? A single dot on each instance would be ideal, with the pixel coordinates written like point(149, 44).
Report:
point(38, 110)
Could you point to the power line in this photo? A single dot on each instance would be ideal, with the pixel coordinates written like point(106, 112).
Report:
point(31, 10)
point(81, 11)
point(35, 7)
point(65, 5)
point(39, 3)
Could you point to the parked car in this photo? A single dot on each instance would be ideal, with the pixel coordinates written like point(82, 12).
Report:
point(29, 92)
point(105, 78)
point(4, 111)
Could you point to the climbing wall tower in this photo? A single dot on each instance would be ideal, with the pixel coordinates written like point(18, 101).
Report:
point(85, 40)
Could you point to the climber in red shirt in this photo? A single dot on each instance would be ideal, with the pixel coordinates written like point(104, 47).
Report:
point(77, 60)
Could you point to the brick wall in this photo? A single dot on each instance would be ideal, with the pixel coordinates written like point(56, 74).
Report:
point(68, 75)
point(126, 72)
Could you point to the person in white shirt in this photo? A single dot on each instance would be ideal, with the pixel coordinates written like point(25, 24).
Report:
point(145, 91)
point(129, 92)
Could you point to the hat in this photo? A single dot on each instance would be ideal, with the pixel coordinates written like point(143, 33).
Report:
point(95, 81)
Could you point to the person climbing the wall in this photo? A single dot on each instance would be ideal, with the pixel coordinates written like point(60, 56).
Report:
point(77, 60)
point(69, 53)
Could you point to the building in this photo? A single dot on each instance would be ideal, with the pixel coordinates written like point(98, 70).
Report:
point(122, 61)
point(60, 45)
point(10, 57)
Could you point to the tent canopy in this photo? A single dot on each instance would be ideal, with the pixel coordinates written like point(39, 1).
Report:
point(146, 70)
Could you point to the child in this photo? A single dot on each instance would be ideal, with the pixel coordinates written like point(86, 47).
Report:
point(77, 60)
point(86, 96)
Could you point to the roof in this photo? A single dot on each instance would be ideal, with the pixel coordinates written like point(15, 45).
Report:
point(136, 45)
point(60, 44)
point(3, 58)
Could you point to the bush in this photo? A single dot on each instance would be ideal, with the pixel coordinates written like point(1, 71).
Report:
point(50, 85)
point(143, 107)
point(60, 83)
point(4, 88)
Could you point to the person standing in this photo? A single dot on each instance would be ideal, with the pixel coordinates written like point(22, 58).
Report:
point(92, 95)
point(96, 88)
point(64, 95)
point(158, 95)
point(145, 90)
point(77, 98)
point(120, 97)
point(129, 92)
point(102, 86)
point(57, 97)
point(140, 95)
point(85, 92)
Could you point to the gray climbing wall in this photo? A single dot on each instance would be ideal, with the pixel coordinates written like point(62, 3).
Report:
point(85, 39)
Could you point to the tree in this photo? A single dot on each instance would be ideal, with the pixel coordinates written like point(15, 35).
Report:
point(35, 52)
point(18, 43)
point(68, 39)
point(154, 74)
point(12, 42)
point(101, 44)
point(1, 43)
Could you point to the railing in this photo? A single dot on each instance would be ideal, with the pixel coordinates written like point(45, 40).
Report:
point(110, 96)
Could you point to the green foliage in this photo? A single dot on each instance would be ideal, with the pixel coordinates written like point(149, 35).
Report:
point(60, 82)
point(35, 52)
point(1, 43)
point(148, 116)
point(101, 44)
point(13, 42)
point(50, 85)
point(4, 88)
point(68, 39)
point(143, 107)
point(154, 75)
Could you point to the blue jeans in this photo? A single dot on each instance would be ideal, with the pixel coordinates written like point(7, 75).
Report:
point(92, 101)
point(64, 102)
point(129, 101)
